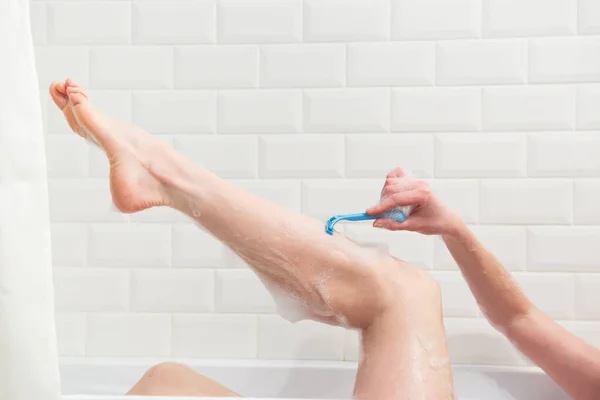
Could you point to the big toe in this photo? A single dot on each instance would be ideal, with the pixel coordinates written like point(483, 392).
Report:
point(59, 94)
point(76, 95)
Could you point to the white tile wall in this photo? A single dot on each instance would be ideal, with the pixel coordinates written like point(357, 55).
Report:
point(346, 20)
point(530, 17)
point(309, 103)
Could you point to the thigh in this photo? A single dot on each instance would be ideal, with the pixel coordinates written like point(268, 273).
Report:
point(171, 379)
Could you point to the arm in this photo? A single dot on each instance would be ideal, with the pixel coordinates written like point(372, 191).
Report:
point(570, 361)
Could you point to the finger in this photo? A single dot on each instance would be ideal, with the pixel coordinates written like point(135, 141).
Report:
point(396, 173)
point(414, 197)
point(400, 186)
point(391, 225)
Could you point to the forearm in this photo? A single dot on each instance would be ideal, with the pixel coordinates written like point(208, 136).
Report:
point(570, 361)
point(573, 363)
point(496, 291)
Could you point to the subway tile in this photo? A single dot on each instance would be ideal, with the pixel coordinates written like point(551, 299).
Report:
point(564, 154)
point(38, 16)
point(586, 330)
point(172, 290)
point(138, 67)
point(265, 111)
point(460, 195)
point(352, 346)
point(89, 22)
point(60, 62)
point(443, 258)
point(69, 244)
point(560, 249)
point(280, 339)
point(128, 335)
point(346, 110)
point(241, 291)
point(81, 200)
point(159, 215)
point(207, 151)
point(175, 112)
point(529, 108)
point(283, 192)
point(287, 156)
point(70, 334)
point(507, 243)
point(588, 102)
point(529, 201)
point(194, 247)
point(214, 336)
point(411, 247)
point(346, 20)
point(436, 19)
point(587, 289)
point(473, 341)
point(587, 198)
point(373, 156)
point(169, 22)
point(115, 103)
point(260, 22)
point(71, 167)
point(87, 289)
point(530, 17)
point(323, 198)
point(391, 64)
point(436, 109)
point(564, 60)
point(129, 245)
point(457, 300)
point(306, 65)
point(589, 17)
point(480, 156)
point(475, 62)
point(554, 294)
point(198, 67)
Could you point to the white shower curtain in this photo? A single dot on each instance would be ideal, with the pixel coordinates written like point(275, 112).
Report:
point(28, 355)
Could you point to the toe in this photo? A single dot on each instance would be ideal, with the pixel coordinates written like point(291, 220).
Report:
point(71, 83)
point(76, 90)
point(76, 98)
point(59, 96)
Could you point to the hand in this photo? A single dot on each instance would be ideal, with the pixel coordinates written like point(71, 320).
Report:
point(429, 216)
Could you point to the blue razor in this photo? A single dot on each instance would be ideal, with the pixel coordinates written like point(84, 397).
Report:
point(395, 214)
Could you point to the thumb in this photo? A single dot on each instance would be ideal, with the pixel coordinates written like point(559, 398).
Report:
point(411, 224)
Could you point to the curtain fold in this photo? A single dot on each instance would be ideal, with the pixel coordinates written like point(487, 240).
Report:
point(28, 353)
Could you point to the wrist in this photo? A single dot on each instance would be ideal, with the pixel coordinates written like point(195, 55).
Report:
point(455, 228)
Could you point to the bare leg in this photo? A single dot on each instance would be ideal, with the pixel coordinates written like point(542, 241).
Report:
point(170, 379)
point(333, 279)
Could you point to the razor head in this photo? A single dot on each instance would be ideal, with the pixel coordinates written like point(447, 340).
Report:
point(330, 224)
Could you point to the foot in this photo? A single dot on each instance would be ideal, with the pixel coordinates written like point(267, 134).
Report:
point(129, 149)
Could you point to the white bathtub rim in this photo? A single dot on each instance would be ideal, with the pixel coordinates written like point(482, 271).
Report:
point(265, 363)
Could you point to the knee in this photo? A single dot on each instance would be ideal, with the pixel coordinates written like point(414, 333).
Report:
point(407, 283)
point(392, 284)
point(165, 371)
point(159, 380)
